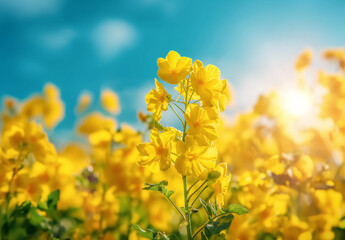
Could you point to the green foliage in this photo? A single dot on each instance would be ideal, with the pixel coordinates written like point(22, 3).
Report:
point(266, 236)
point(235, 208)
point(153, 234)
point(219, 219)
point(215, 227)
point(27, 222)
point(53, 199)
point(213, 176)
point(159, 187)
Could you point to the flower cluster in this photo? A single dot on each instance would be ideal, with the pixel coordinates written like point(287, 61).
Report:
point(201, 97)
point(281, 162)
point(288, 169)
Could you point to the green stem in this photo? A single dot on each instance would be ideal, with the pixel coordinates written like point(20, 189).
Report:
point(202, 227)
point(190, 99)
point(199, 195)
point(190, 188)
point(176, 114)
point(178, 106)
point(197, 190)
point(180, 212)
point(188, 215)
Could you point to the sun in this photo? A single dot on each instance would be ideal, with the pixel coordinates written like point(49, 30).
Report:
point(297, 103)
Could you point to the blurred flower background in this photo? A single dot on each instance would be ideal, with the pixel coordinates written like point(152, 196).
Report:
point(85, 45)
point(234, 107)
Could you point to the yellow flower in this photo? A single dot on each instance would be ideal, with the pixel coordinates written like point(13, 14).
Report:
point(26, 139)
point(95, 122)
point(219, 100)
point(328, 202)
point(157, 100)
point(334, 54)
point(303, 168)
point(54, 109)
point(83, 102)
point(222, 184)
point(110, 101)
point(203, 123)
point(157, 153)
point(205, 80)
point(304, 60)
point(174, 68)
point(192, 95)
point(101, 138)
point(194, 159)
point(49, 106)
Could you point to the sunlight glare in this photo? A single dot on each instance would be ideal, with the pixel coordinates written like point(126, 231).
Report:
point(297, 103)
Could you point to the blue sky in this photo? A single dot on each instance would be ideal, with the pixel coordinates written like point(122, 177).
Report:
point(90, 45)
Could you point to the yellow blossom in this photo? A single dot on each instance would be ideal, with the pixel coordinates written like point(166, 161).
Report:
point(222, 183)
point(157, 153)
point(95, 122)
point(304, 60)
point(110, 101)
point(157, 100)
point(203, 123)
point(205, 80)
point(84, 102)
point(174, 68)
point(194, 159)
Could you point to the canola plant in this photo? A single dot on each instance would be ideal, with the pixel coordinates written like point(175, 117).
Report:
point(273, 172)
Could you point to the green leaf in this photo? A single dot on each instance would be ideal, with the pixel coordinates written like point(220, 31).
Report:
point(212, 176)
point(203, 236)
point(22, 210)
point(214, 211)
point(169, 193)
point(215, 227)
point(266, 236)
point(216, 205)
point(207, 208)
point(42, 206)
point(150, 234)
point(173, 237)
point(236, 208)
point(159, 126)
point(35, 218)
point(218, 237)
point(159, 187)
point(53, 199)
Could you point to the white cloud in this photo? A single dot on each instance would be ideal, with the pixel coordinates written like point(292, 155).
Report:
point(111, 37)
point(59, 39)
point(28, 8)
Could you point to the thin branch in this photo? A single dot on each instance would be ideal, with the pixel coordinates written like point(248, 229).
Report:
point(178, 101)
point(176, 114)
point(202, 227)
point(199, 195)
point(190, 99)
point(178, 107)
point(197, 190)
point(172, 202)
point(193, 185)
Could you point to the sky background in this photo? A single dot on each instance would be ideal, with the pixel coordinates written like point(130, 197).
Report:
point(91, 45)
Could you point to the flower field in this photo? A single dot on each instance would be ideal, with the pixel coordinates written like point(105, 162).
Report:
point(276, 171)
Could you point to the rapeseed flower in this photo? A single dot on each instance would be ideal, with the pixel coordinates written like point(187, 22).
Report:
point(194, 159)
point(173, 68)
point(157, 153)
point(203, 123)
point(157, 100)
point(110, 101)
